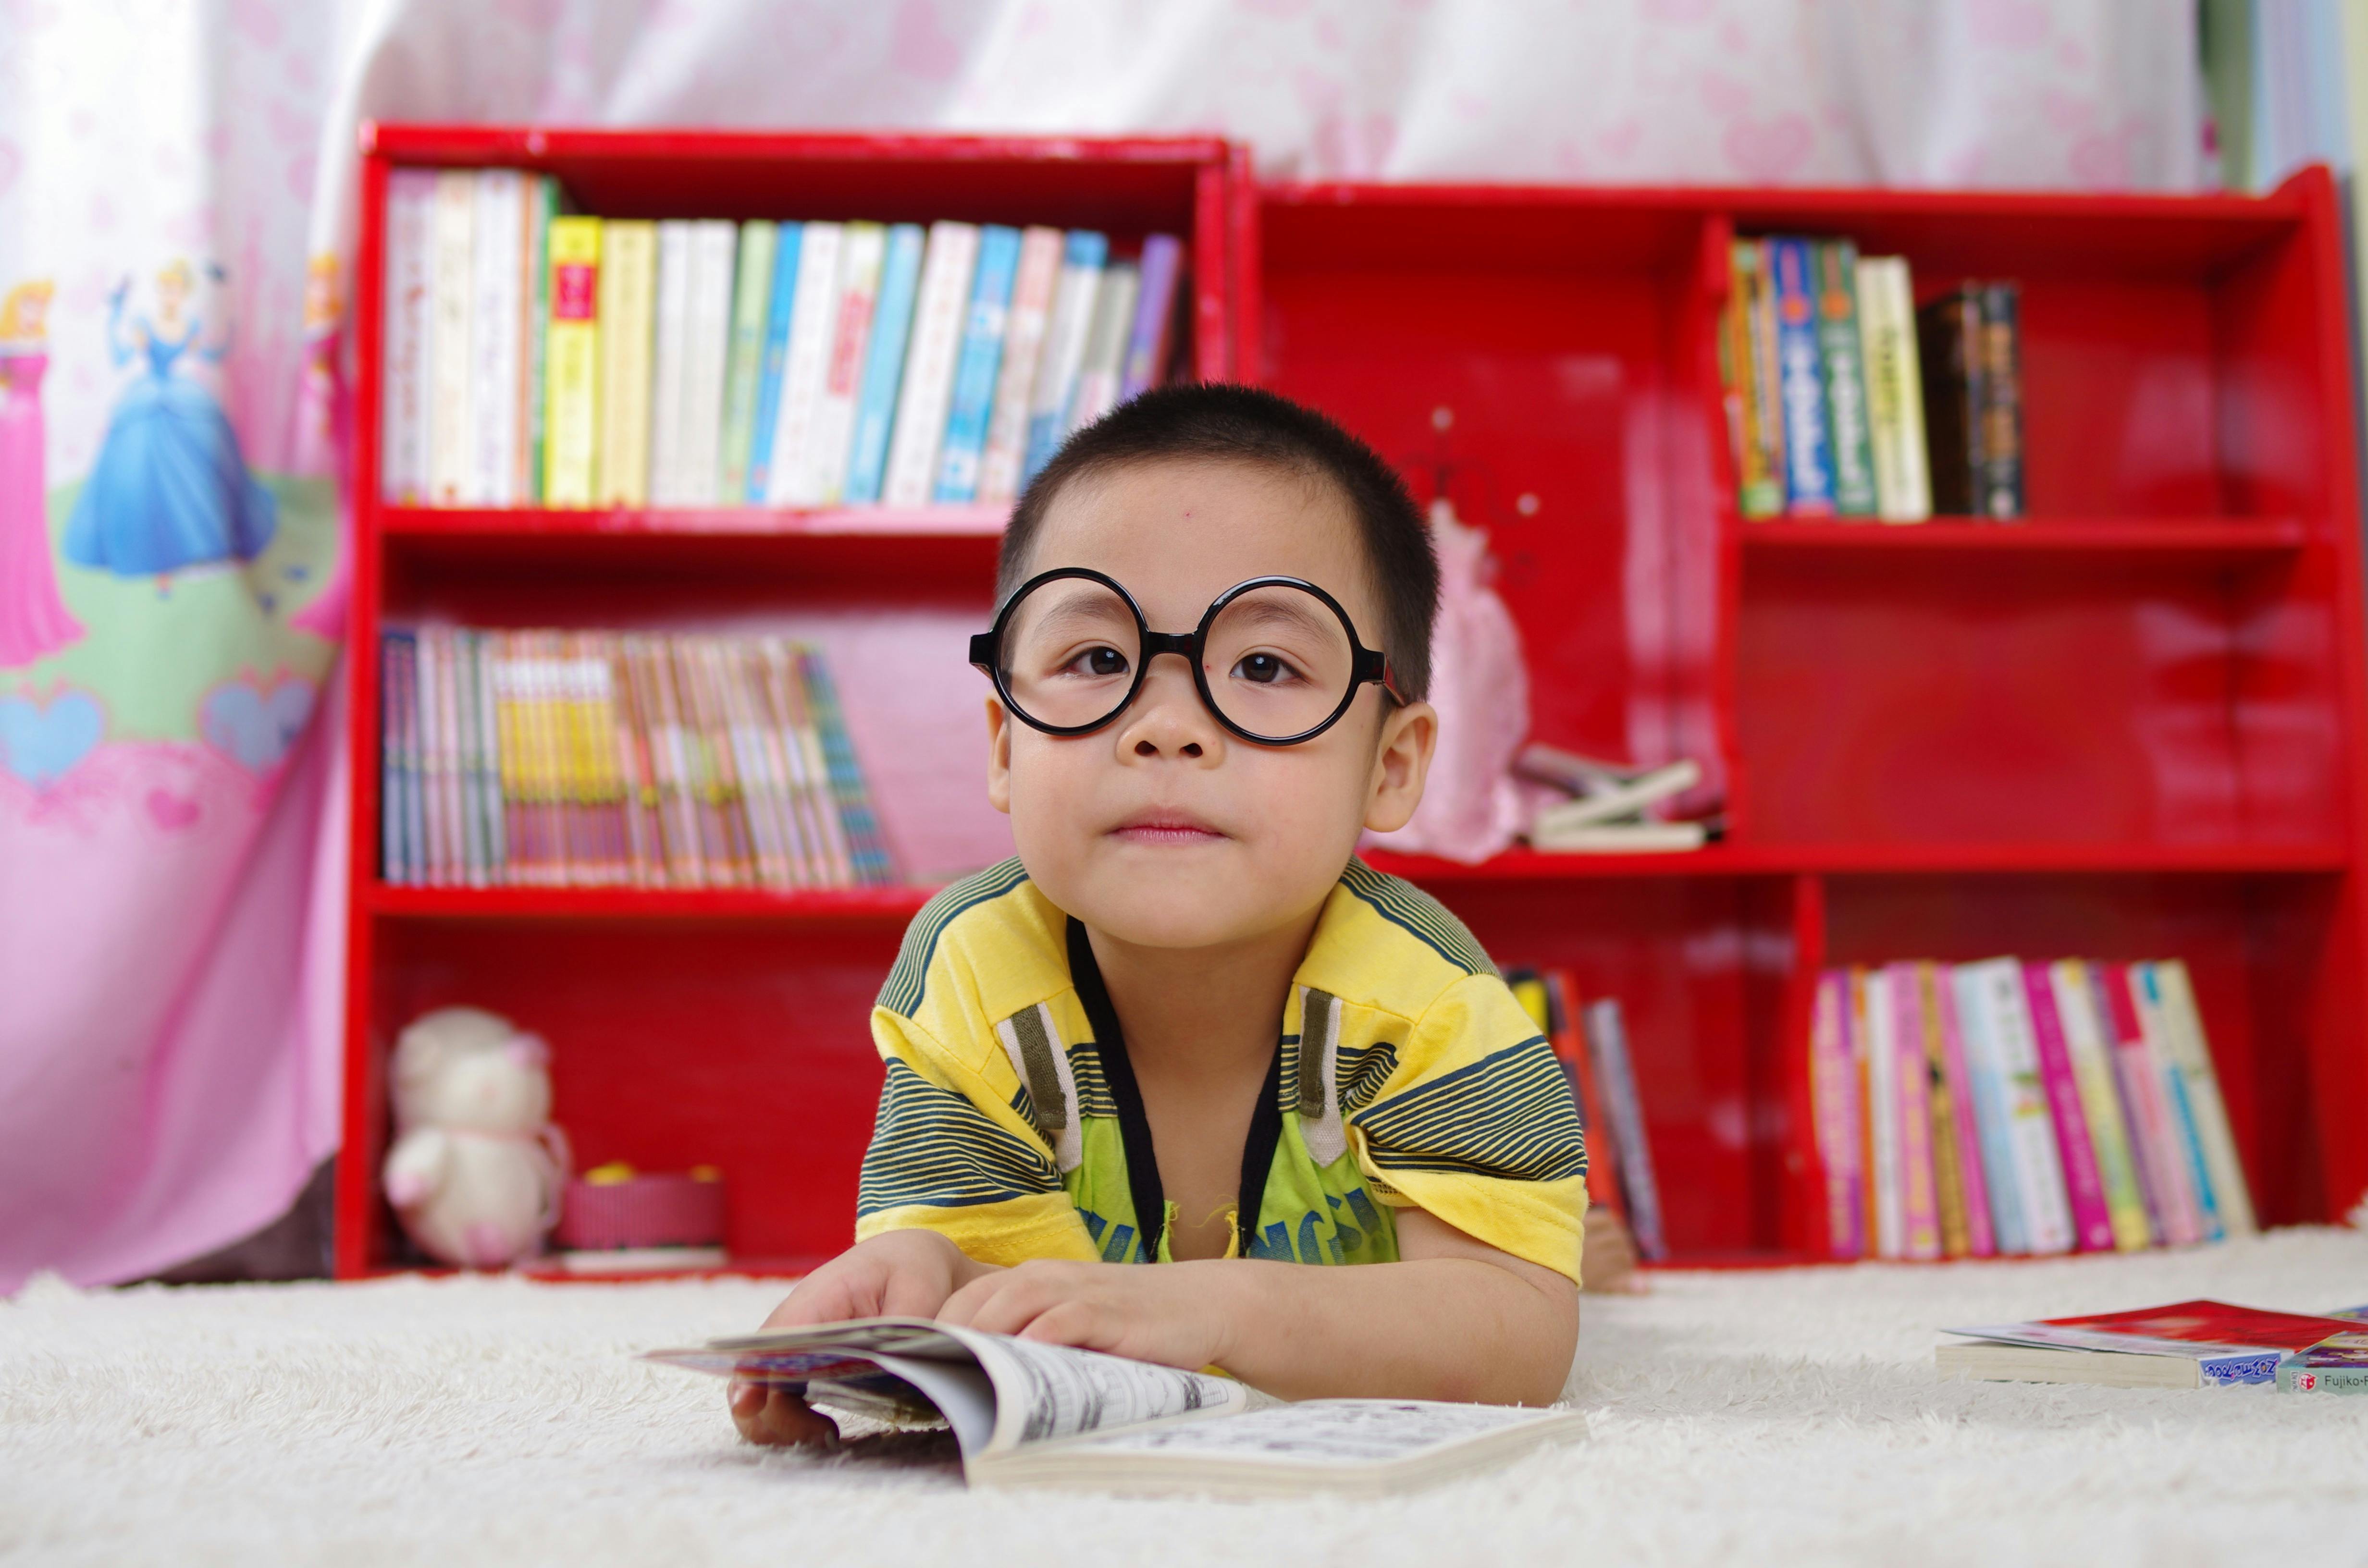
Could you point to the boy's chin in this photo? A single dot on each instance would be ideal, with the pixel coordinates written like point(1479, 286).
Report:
point(1184, 907)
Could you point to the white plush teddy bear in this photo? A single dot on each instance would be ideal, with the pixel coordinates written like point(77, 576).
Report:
point(476, 1167)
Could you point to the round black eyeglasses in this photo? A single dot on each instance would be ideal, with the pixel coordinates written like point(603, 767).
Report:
point(1275, 659)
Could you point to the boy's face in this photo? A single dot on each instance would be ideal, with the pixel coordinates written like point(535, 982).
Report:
point(1163, 829)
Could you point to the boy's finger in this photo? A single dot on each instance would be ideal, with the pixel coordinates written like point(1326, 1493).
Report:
point(780, 1420)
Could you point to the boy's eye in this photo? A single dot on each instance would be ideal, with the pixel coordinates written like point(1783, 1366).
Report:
point(1102, 661)
point(1264, 669)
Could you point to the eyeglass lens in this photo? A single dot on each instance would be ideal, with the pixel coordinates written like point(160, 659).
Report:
point(1277, 660)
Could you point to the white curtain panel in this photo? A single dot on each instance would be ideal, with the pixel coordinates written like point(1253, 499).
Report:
point(176, 183)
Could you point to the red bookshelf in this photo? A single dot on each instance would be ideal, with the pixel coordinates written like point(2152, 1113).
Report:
point(727, 1027)
point(2127, 727)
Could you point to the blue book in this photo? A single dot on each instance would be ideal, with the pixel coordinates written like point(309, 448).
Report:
point(777, 350)
point(884, 367)
point(393, 726)
point(981, 359)
point(1063, 354)
point(1800, 380)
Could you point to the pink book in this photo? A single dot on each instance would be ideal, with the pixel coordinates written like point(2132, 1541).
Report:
point(1833, 1089)
point(1919, 1201)
point(1979, 1239)
point(2092, 1222)
point(2162, 1168)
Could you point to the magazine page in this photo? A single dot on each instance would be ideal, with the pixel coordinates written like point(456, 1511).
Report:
point(1046, 1391)
point(1328, 1432)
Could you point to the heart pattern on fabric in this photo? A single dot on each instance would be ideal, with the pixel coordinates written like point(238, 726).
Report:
point(1767, 152)
point(174, 813)
point(40, 743)
point(252, 727)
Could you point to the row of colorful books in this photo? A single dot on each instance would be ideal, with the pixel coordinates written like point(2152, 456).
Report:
point(2006, 1108)
point(540, 359)
point(1845, 400)
point(605, 759)
point(1590, 1041)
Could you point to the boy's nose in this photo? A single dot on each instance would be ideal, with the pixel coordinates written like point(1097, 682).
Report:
point(1167, 718)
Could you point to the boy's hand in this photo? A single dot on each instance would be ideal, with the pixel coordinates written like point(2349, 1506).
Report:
point(1178, 1313)
point(902, 1274)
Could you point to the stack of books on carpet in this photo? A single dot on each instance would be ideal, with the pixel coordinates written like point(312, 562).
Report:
point(2186, 1345)
point(1590, 1041)
point(622, 759)
point(1846, 400)
point(2006, 1108)
point(535, 358)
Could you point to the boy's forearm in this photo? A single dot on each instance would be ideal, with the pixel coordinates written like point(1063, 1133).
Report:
point(1443, 1328)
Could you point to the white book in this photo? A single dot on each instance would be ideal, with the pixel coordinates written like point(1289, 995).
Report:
point(1878, 1021)
point(1894, 389)
point(1032, 288)
point(496, 324)
point(2195, 1165)
point(1992, 1107)
point(1026, 1414)
point(1614, 801)
point(409, 288)
point(861, 256)
point(2039, 1166)
point(2175, 995)
point(671, 359)
point(1063, 355)
point(1638, 837)
point(812, 308)
point(1103, 365)
point(712, 245)
point(452, 286)
point(939, 313)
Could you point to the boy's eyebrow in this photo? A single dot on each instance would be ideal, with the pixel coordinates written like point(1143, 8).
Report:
point(1294, 609)
point(1078, 602)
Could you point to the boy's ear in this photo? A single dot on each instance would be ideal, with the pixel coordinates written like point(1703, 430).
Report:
point(1410, 736)
point(998, 755)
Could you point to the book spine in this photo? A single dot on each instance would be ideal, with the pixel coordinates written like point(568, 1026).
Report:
point(2154, 1141)
point(796, 478)
point(450, 417)
point(1836, 265)
point(452, 797)
point(613, 758)
point(474, 841)
point(2039, 1162)
point(1894, 402)
point(2295, 1375)
point(1977, 1027)
point(744, 361)
point(671, 362)
point(883, 365)
point(2100, 1100)
point(975, 371)
point(1948, 331)
point(1606, 1039)
point(768, 830)
point(409, 332)
point(496, 306)
point(1833, 1092)
point(1147, 342)
point(927, 392)
point(1097, 374)
point(2203, 1098)
point(1595, 1127)
point(1963, 1137)
point(779, 305)
point(1808, 453)
point(1063, 353)
point(759, 663)
point(391, 855)
point(1759, 487)
point(867, 855)
point(1767, 369)
point(829, 837)
point(534, 272)
point(491, 801)
point(628, 311)
point(1876, 1023)
point(571, 358)
point(2092, 1219)
point(705, 360)
point(1919, 1183)
point(2001, 401)
point(424, 761)
point(2146, 999)
point(507, 753)
point(861, 268)
point(1032, 288)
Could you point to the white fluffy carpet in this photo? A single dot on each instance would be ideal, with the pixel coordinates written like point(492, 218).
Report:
point(1748, 1416)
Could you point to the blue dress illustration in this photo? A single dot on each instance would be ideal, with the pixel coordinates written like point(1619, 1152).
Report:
point(170, 489)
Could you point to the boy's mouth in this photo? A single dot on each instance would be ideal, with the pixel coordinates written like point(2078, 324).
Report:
point(1166, 826)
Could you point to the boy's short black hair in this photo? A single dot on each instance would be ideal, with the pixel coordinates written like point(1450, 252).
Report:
point(1238, 424)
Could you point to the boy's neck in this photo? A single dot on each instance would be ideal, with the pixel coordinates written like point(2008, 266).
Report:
point(1212, 1012)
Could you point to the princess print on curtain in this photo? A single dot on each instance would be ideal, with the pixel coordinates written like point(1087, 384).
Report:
point(34, 622)
point(170, 489)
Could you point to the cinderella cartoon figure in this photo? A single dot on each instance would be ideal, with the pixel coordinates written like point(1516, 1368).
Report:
point(34, 621)
point(170, 489)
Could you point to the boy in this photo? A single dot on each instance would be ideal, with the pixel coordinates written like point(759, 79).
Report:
point(1186, 1026)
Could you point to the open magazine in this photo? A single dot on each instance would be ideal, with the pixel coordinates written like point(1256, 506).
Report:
point(1031, 1415)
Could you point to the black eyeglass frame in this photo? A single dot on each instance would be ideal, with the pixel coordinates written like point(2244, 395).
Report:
point(1367, 665)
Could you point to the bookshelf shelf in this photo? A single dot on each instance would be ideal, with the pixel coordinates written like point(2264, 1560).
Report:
point(2206, 540)
point(1731, 859)
point(860, 906)
point(731, 522)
